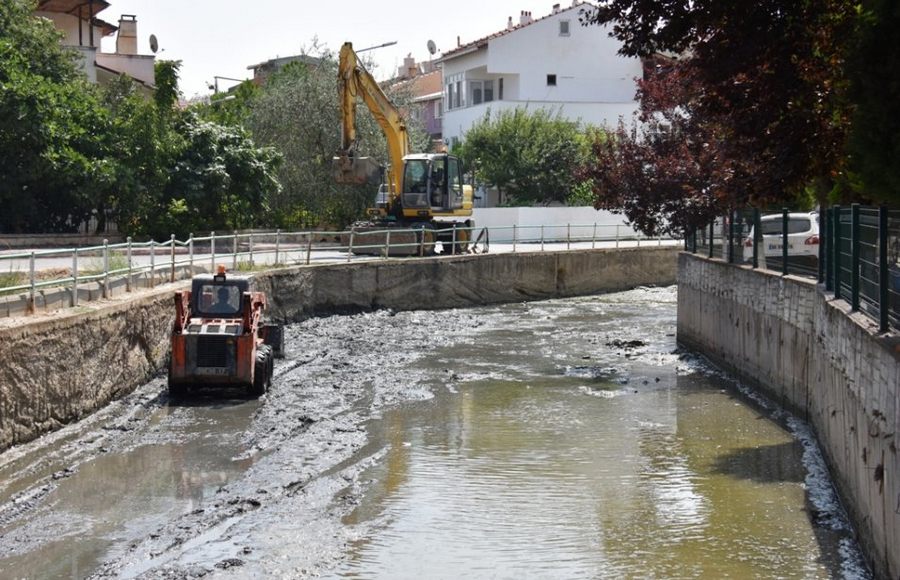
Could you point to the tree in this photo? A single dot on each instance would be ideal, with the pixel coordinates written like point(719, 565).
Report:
point(752, 111)
point(54, 134)
point(297, 112)
point(178, 173)
point(874, 70)
point(529, 156)
point(219, 179)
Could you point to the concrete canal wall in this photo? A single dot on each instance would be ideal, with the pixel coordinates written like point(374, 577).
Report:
point(55, 369)
point(809, 353)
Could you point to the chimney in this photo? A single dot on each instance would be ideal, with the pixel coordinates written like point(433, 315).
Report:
point(556, 8)
point(509, 24)
point(409, 69)
point(525, 18)
point(126, 41)
point(458, 43)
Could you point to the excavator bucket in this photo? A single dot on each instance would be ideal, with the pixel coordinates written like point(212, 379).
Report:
point(356, 170)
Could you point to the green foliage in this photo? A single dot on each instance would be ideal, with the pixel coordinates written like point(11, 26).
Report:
point(54, 137)
point(874, 69)
point(166, 77)
point(529, 156)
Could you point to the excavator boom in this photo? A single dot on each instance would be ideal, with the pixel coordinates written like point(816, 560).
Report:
point(355, 81)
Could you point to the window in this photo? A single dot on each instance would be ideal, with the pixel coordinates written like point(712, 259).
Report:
point(500, 89)
point(450, 96)
point(551, 80)
point(482, 91)
point(488, 91)
point(438, 109)
point(456, 94)
point(564, 28)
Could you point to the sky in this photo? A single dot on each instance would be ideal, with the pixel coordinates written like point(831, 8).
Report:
point(223, 37)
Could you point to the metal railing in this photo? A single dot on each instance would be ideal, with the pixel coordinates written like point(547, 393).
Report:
point(146, 264)
point(853, 252)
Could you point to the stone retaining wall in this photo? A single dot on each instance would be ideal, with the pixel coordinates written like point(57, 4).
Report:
point(57, 369)
point(826, 364)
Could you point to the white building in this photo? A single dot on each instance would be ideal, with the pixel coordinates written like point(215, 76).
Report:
point(83, 30)
point(552, 62)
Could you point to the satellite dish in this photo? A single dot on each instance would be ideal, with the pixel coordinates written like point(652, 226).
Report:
point(432, 47)
point(154, 44)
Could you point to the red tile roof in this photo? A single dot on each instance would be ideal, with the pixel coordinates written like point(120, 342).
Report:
point(482, 42)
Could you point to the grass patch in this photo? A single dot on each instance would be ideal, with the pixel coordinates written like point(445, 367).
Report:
point(94, 266)
point(11, 279)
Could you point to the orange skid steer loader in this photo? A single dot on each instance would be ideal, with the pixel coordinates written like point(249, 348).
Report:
point(218, 339)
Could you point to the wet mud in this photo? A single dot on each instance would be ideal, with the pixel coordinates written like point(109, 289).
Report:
point(565, 438)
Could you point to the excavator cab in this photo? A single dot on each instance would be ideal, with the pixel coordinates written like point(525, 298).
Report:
point(432, 182)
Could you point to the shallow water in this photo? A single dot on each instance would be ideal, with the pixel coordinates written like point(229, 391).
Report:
point(550, 450)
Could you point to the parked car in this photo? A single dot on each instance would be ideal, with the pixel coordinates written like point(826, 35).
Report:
point(803, 238)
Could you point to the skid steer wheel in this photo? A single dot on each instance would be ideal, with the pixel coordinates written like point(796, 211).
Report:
point(262, 373)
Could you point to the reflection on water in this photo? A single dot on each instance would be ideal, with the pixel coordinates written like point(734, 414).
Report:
point(525, 466)
point(121, 497)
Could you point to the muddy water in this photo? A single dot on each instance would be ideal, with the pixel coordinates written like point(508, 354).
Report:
point(99, 487)
point(558, 439)
point(569, 442)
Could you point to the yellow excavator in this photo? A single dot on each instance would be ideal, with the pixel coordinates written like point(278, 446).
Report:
point(423, 191)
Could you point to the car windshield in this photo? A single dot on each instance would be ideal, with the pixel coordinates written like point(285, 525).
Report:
point(795, 226)
point(219, 300)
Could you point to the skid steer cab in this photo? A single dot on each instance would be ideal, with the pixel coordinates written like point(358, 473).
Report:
point(218, 340)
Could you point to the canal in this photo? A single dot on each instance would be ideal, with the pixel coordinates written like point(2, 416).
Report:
point(556, 439)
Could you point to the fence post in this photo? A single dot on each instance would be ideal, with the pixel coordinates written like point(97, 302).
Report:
point(884, 304)
point(712, 231)
point(309, 237)
point(453, 247)
point(854, 257)
point(350, 246)
point(152, 263)
point(753, 241)
point(212, 250)
point(836, 219)
point(106, 268)
point(825, 251)
point(75, 278)
point(422, 242)
point(731, 236)
point(542, 237)
point(514, 238)
point(128, 280)
point(784, 241)
point(30, 307)
point(277, 243)
point(251, 250)
point(820, 277)
point(191, 252)
point(594, 237)
point(234, 251)
point(387, 244)
point(568, 236)
point(172, 272)
point(617, 236)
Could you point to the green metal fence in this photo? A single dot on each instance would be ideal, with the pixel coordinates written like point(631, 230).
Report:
point(853, 252)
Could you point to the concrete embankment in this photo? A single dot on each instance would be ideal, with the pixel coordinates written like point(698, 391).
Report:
point(57, 369)
point(828, 365)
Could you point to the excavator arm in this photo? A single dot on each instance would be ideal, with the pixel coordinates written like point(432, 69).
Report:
point(355, 81)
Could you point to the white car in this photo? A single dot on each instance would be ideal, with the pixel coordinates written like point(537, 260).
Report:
point(803, 237)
